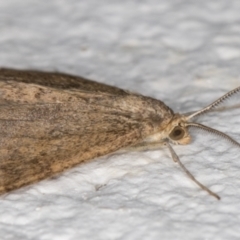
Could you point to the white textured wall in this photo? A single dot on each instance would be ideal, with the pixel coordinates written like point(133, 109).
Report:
point(186, 53)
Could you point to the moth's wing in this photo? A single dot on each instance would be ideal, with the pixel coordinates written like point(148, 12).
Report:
point(45, 130)
point(57, 80)
point(37, 147)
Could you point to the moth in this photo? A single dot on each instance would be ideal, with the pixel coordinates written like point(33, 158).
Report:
point(50, 122)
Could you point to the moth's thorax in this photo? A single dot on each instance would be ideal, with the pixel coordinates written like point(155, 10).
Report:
point(175, 131)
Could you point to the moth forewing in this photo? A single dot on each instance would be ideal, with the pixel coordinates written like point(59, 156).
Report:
point(50, 122)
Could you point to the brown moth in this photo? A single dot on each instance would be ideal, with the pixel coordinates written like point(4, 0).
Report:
point(50, 122)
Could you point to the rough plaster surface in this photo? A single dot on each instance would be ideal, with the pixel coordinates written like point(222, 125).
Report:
point(186, 53)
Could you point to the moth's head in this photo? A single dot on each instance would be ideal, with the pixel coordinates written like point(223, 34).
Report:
point(177, 131)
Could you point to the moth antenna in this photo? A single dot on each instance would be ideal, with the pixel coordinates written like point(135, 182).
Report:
point(214, 104)
point(213, 131)
point(176, 159)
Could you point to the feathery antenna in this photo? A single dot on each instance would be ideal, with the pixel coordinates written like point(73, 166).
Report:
point(214, 104)
point(213, 131)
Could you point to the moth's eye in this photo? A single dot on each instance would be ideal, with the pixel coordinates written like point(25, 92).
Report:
point(177, 133)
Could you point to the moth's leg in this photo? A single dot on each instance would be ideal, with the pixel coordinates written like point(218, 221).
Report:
point(144, 146)
point(176, 159)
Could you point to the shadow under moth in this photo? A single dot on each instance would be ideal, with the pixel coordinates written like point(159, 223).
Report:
point(50, 122)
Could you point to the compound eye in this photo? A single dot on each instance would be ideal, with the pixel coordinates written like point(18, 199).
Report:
point(177, 133)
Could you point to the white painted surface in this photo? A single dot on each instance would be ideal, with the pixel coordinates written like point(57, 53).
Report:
point(185, 53)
